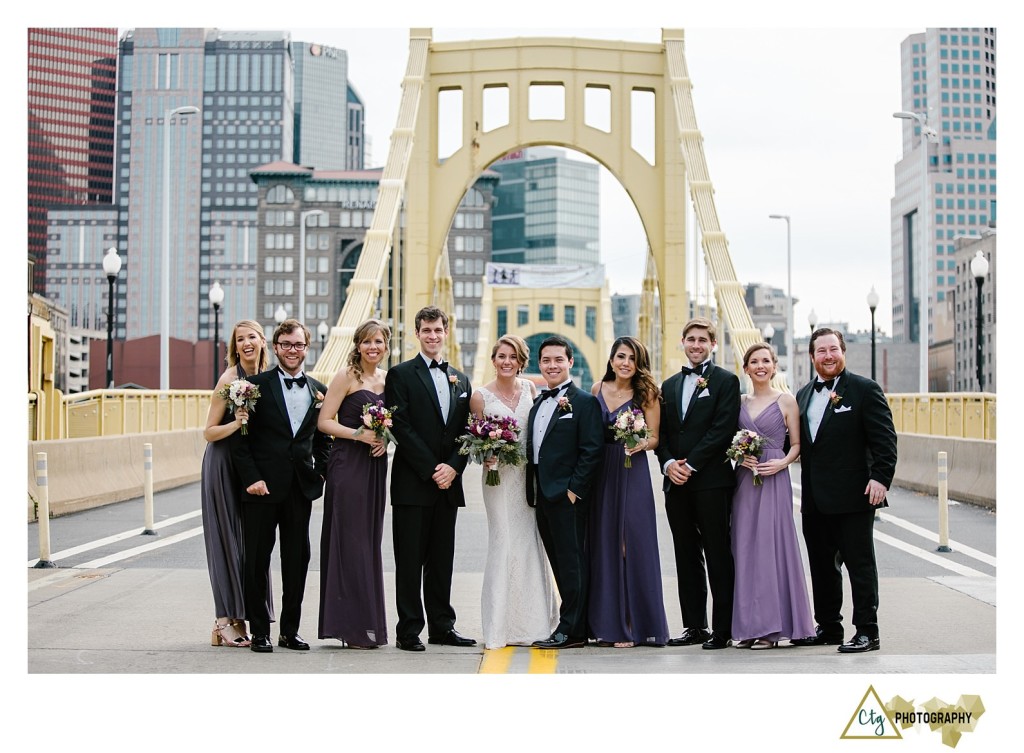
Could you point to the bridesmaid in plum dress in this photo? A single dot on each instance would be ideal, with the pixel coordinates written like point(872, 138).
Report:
point(770, 597)
point(351, 569)
point(627, 604)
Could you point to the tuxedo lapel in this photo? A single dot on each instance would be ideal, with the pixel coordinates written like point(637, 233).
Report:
point(570, 392)
point(696, 392)
point(423, 372)
point(311, 412)
point(673, 394)
point(804, 401)
point(840, 389)
point(274, 383)
point(452, 395)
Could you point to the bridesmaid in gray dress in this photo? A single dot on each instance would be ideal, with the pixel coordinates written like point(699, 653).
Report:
point(222, 523)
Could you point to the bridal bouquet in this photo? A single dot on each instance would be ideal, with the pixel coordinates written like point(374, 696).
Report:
point(747, 442)
point(489, 437)
point(241, 393)
point(377, 419)
point(630, 427)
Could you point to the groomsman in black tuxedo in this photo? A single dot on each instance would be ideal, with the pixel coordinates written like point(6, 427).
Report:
point(564, 445)
point(281, 462)
point(847, 461)
point(700, 413)
point(431, 399)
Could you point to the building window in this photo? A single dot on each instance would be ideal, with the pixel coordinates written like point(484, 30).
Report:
point(546, 312)
point(502, 320)
point(522, 315)
point(591, 322)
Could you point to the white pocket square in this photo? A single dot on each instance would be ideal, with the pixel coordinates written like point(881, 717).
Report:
point(567, 415)
point(703, 395)
point(462, 395)
point(843, 409)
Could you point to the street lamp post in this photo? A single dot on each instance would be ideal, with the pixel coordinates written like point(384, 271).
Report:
point(112, 266)
point(280, 314)
point(789, 291)
point(165, 251)
point(302, 259)
point(216, 299)
point(924, 263)
point(812, 319)
point(979, 268)
point(322, 330)
point(769, 333)
point(873, 304)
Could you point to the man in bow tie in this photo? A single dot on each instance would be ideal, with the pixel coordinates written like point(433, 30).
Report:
point(431, 400)
point(281, 462)
point(700, 412)
point(847, 461)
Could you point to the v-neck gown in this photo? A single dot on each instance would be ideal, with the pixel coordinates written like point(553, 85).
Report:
point(770, 597)
point(626, 598)
point(351, 567)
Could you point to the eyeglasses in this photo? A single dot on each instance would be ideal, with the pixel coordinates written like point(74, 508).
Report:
point(297, 347)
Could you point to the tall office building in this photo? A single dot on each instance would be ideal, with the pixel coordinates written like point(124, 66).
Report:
point(322, 104)
point(71, 81)
point(949, 75)
point(547, 209)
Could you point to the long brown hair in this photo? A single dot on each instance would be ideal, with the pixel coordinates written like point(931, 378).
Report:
point(643, 384)
point(232, 354)
point(363, 331)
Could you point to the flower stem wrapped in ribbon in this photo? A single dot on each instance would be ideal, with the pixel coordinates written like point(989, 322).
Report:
point(240, 393)
point(630, 428)
point(378, 419)
point(492, 437)
point(747, 442)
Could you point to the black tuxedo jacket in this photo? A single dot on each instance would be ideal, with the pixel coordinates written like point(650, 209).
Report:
point(570, 455)
point(270, 452)
point(703, 436)
point(424, 437)
point(856, 441)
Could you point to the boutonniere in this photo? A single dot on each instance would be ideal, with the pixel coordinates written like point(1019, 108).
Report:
point(835, 399)
point(564, 406)
point(452, 379)
point(318, 399)
point(702, 384)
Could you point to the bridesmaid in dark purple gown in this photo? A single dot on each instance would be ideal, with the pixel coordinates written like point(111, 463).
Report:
point(627, 606)
point(351, 569)
point(770, 596)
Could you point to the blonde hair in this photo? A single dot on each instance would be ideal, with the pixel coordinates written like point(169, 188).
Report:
point(363, 331)
point(232, 354)
point(518, 345)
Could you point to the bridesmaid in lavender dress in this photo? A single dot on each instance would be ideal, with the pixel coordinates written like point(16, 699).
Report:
point(351, 569)
point(770, 597)
point(627, 605)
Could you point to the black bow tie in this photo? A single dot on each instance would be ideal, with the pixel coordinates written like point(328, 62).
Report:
point(698, 370)
point(545, 394)
point(443, 365)
point(301, 381)
point(818, 385)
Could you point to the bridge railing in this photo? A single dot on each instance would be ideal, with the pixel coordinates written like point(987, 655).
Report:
point(970, 415)
point(104, 413)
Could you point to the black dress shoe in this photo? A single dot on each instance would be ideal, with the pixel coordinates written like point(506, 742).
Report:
point(261, 644)
point(716, 641)
point(410, 644)
point(820, 638)
point(690, 637)
point(560, 640)
point(294, 642)
point(451, 638)
point(858, 644)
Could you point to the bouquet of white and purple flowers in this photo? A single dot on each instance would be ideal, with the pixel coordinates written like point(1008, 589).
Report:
point(241, 393)
point(630, 427)
point(377, 419)
point(490, 437)
point(746, 442)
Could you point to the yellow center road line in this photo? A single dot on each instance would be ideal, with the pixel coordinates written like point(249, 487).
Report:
point(543, 661)
point(497, 660)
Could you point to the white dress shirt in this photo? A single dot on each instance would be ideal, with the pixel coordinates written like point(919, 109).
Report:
point(817, 406)
point(296, 400)
point(441, 385)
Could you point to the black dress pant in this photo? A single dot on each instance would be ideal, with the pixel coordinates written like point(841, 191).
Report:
point(563, 531)
point(424, 541)
point(832, 541)
point(700, 521)
point(260, 522)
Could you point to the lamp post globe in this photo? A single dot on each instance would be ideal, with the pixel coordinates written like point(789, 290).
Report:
point(768, 332)
point(322, 330)
point(812, 319)
point(873, 304)
point(216, 296)
point(979, 269)
point(111, 267)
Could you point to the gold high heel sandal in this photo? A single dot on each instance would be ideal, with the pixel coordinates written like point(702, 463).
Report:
point(217, 637)
point(763, 643)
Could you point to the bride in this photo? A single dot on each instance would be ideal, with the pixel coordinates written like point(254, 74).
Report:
point(518, 603)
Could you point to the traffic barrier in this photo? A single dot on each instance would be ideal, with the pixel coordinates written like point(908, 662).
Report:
point(971, 466)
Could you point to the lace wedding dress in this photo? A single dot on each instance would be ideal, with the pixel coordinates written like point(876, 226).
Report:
point(518, 604)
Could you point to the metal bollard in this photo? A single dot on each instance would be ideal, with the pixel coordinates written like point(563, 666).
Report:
point(147, 474)
point(43, 512)
point(943, 505)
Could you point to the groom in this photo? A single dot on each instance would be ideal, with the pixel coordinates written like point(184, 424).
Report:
point(281, 461)
point(565, 441)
